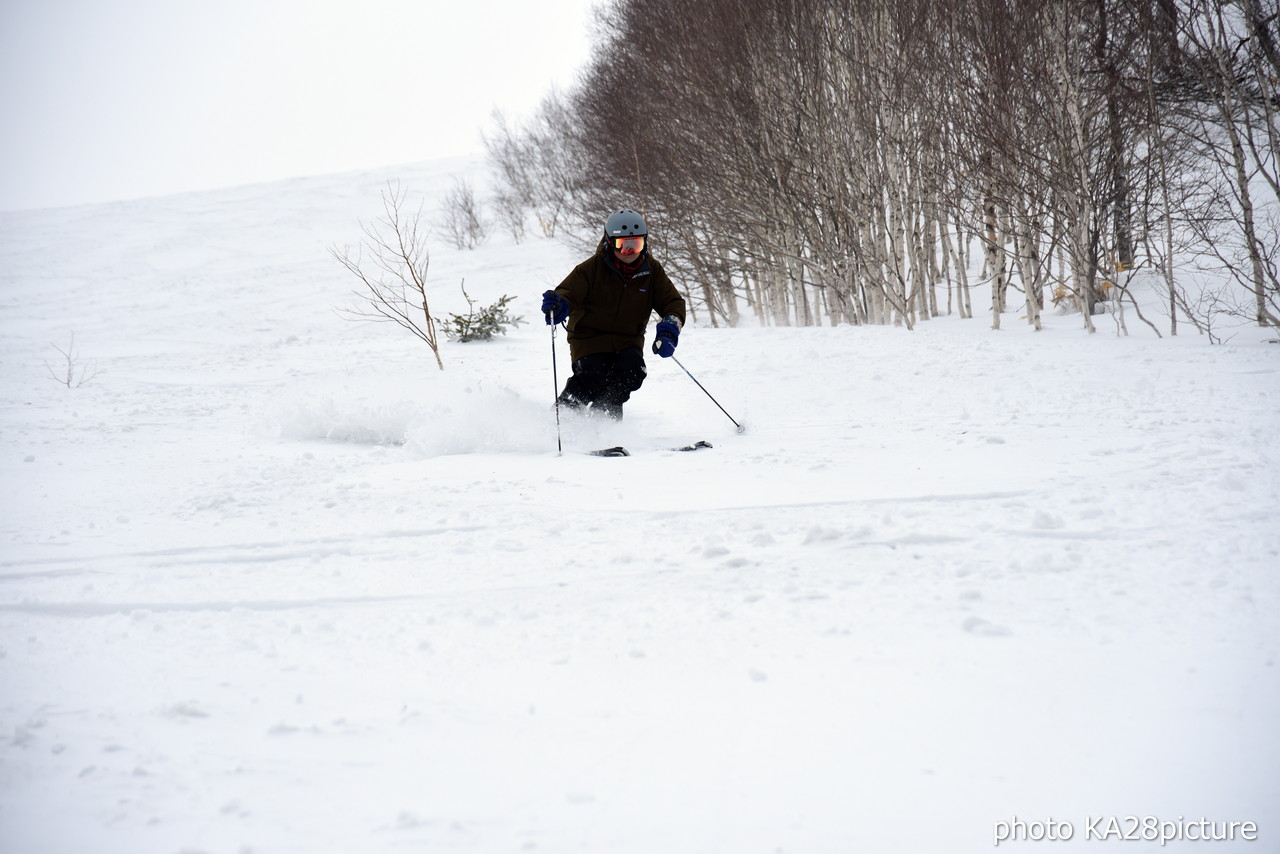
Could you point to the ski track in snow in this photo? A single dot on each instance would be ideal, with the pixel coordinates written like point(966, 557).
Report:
point(272, 583)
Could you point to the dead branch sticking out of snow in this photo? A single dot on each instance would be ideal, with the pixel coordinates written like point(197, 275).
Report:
point(394, 276)
point(70, 371)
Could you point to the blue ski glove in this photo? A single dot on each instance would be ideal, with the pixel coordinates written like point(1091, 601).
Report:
point(554, 307)
point(668, 335)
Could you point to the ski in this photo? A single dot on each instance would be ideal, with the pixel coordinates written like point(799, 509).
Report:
point(619, 451)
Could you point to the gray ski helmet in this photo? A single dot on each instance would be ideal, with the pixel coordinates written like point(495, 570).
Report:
point(625, 224)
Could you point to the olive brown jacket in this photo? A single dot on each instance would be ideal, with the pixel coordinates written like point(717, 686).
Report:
point(609, 305)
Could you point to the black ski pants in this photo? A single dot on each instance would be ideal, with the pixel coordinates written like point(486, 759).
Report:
point(604, 381)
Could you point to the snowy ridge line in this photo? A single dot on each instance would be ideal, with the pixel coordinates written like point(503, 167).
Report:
point(234, 547)
point(839, 502)
point(947, 539)
point(48, 573)
point(1081, 533)
point(106, 609)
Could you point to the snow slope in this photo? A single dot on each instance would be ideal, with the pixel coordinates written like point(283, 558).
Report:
point(270, 582)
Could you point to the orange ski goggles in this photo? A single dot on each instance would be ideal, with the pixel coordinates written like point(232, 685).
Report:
point(628, 245)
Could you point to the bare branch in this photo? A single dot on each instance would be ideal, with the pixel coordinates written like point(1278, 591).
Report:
point(394, 277)
point(71, 372)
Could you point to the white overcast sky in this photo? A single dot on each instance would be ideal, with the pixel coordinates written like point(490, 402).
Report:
point(114, 99)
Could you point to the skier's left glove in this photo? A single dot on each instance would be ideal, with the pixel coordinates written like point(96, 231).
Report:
point(668, 335)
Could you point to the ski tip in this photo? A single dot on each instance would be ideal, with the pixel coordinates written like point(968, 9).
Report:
point(616, 451)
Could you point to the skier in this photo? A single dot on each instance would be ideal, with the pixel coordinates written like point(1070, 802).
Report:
point(607, 300)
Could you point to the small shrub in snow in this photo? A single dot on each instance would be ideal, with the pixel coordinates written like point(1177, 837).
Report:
point(69, 370)
point(481, 324)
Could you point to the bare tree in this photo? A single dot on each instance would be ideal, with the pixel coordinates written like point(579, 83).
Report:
point(536, 165)
point(463, 220)
point(514, 192)
point(1235, 58)
point(391, 265)
point(840, 160)
point(70, 371)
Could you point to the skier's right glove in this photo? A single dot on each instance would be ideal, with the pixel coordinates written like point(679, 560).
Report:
point(555, 308)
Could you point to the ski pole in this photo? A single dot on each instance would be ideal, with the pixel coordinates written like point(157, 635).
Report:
point(555, 383)
point(741, 429)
